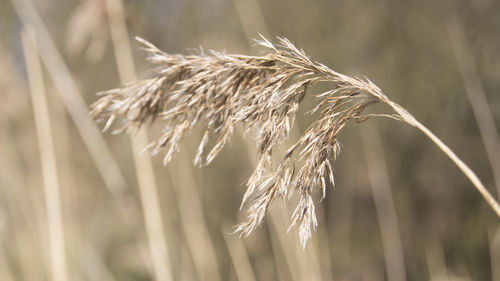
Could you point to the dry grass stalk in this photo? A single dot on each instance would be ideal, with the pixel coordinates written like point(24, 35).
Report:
point(239, 257)
point(261, 93)
point(73, 100)
point(477, 96)
point(148, 188)
point(52, 188)
point(380, 184)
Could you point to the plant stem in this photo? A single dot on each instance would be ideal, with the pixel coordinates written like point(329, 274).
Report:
point(408, 118)
point(148, 188)
point(52, 188)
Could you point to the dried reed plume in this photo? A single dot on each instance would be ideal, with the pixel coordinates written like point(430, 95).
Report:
point(261, 93)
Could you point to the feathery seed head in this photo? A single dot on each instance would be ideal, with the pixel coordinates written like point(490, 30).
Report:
point(262, 93)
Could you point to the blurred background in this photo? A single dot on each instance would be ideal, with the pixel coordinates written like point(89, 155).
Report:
point(77, 204)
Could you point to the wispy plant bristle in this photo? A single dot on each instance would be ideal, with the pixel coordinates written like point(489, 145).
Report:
point(261, 93)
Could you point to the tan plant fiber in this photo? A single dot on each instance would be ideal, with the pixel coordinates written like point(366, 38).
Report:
point(261, 93)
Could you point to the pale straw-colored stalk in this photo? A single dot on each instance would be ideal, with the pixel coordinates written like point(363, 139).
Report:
point(192, 219)
point(73, 101)
point(294, 256)
point(276, 223)
point(239, 257)
point(476, 96)
point(157, 239)
point(52, 190)
point(483, 115)
point(384, 203)
point(23, 214)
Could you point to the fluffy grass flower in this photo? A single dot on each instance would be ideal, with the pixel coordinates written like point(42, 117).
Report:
point(259, 93)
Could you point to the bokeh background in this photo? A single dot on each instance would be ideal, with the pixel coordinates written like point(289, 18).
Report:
point(76, 204)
